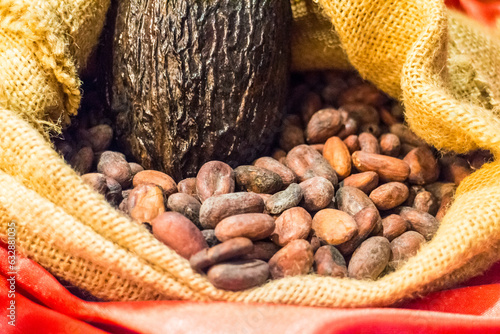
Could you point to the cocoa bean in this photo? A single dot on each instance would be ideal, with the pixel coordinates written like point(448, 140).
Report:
point(322, 125)
point(446, 202)
point(164, 181)
point(425, 201)
point(424, 167)
point(210, 237)
point(352, 200)
point(349, 128)
point(214, 178)
point(186, 205)
point(114, 194)
point(334, 226)
point(262, 250)
point(363, 113)
point(188, 186)
point(278, 154)
point(296, 258)
point(145, 202)
point(114, 165)
point(366, 220)
point(420, 221)
point(370, 259)
point(404, 247)
point(284, 200)
point(293, 224)
point(393, 226)
point(307, 163)
point(440, 189)
point(96, 181)
point(406, 135)
point(291, 136)
point(365, 93)
point(454, 169)
point(329, 262)
point(100, 137)
point(371, 128)
point(317, 193)
point(287, 176)
point(352, 143)
point(259, 180)
point(82, 160)
point(135, 168)
point(366, 181)
point(338, 156)
point(238, 275)
point(387, 117)
point(388, 168)
point(312, 103)
point(390, 144)
point(368, 143)
point(389, 195)
point(254, 226)
point(318, 147)
point(227, 250)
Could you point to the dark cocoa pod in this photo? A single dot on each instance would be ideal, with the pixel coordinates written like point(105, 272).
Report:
point(193, 81)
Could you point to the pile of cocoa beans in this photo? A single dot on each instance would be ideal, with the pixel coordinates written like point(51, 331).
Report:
point(349, 191)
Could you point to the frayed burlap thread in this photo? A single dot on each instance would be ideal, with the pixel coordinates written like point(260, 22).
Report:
point(442, 66)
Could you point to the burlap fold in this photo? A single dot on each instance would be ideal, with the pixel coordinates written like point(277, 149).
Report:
point(442, 66)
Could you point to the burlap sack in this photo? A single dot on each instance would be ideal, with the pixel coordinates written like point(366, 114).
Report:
point(442, 66)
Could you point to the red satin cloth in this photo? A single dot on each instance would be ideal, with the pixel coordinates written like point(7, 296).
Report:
point(485, 11)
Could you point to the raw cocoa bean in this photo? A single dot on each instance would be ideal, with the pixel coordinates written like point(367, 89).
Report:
point(262, 250)
point(314, 241)
point(371, 128)
point(210, 237)
point(349, 128)
point(227, 250)
point(338, 156)
point(135, 168)
point(425, 201)
point(216, 208)
point(446, 202)
point(388, 168)
point(284, 200)
point(366, 181)
point(368, 143)
point(307, 163)
point(278, 154)
point(317, 193)
point(404, 247)
point(424, 167)
point(363, 113)
point(162, 180)
point(352, 143)
point(287, 176)
point(390, 144)
point(82, 160)
point(291, 136)
point(259, 180)
point(366, 220)
point(254, 226)
point(440, 189)
point(329, 262)
point(214, 178)
point(387, 117)
point(323, 124)
point(334, 226)
point(178, 233)
point(413, 191)
point(188, 186)
point(420, 221)
point(318, 147)
point(100, 137)
point(405, 149)
point(454, 168)
point(370, 259)
point(365, 93)
point(293, 224)
point(352, 200)
point(114, 194)
point(296, 258)
point(238, 275)
point(479, 158)
point(393, 226)
point(312, 103)
point(145, 202)
point(406, 135)
point(186, 205)
point(96, 181)
point(114, 165)
point(65, 149)
point(389, 195)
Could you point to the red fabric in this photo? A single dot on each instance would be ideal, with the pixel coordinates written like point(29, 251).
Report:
point(485, 11)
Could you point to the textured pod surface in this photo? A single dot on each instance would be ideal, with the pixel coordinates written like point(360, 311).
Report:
point(192, 81)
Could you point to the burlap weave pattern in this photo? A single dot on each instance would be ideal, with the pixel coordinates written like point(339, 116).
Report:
point(442, 66)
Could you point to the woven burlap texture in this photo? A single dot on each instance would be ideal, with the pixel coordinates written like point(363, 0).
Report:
point(442, 66)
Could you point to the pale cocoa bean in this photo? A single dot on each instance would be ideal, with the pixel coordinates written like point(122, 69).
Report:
point(424, 168)
point(82, 160)
point(425, 201)
point(366, 181)
point(186, 205)
point(178, 233)
point(420, 221)
point(413, 191)
point(214, 178)
point(227, 250)
point(406, 135)
point(145, 202)
point(293, 224)
point(388, 168)
point(389, 195)
point(352, 143)
point(188, 186)
point(100, 137)
point(96, 181)
point(256, 179)
point(294, 259)
point(404, 247)
point(114, 194)
point(284, 200)
point(307, 163)
point(454, 169)
point(135, 168)
point(287, 176)
point(262, 250)
point(393, 226)
point(254, 226)
point(365, 93)
point(390, 144)
point(363, 113)
point(210, 237)
point(329, 262)
point(291, 136)
point(338, 156)
point(366, 220)
point(317, 193)
point(352, 200)
point(238, 275)
point(368, 143)
point(334, 226)
point(114, 165)
point(322, 125)
point(370, 259)
point(216, 208)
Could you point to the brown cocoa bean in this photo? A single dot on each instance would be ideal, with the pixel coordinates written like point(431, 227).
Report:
point(216, 208)
point(440, 189)
point(424, 167)
point(114, 165)
point(188, 186)
point(366, 220)
point(406, 135)
point(371, 128)
point(314, 241)
point(446, 202)
point(318, 147)
point(178, 233)
point(293, 224)
point(338, 156)
point(82, 160)
point(262, 250)
point(388, 168)
point(238, 275)
point(322, 125)
point(186, 205)
point(393, 226)
point(420, 221)
point(390, 144)
point(114, 194)
point(365, 93)
point(100, 137)
point(254, 226)
point(349, 128)
point(145, 202)
point(291, 136)
point(352, 200)
point(479, 158)
point(366, 181)
point(287, 176)
point(334, 226)
point(454, 169)
point(96, 181)
point(368, 143)
point(214, 178)
point(135, 168)
point(363, 113)
point(389, 195)
point(312, 103)
point(352, 143)
point(329, 262)
point(256, 179)
point(278, 154)
point(317, 193)
point(227, 250)
point(284, 200)
point(387, 117)
point(164, 181)
point(210, 237)
point(370, 259)
point(307, 163)
point(425, 201)
point(404, 247)
point(294, 259)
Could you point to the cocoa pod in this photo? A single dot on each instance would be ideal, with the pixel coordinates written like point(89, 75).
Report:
point(388, 168)
point(307, 163)
point(366, 220)
point(420, 221)
point(317, 193)
point(365, 181)
point(296, 258)
point(287, 176)
point(238, 275)
point(114, 165)
point(334, 226)
point(162, 180)
point(254, 226)
point(338, 156)
point(390, 144)
point(186, 205)
point(370, 259)
point(227, 250)
point(389, 195)
point(256, 179)
point(145, 202)
point(404, 247)
point(424, 168)
point(393, 226)
point(324, 124)
point(293, 224)
point(329, 262)
point(368, 143)
point(214, 178)
point(285, 199)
